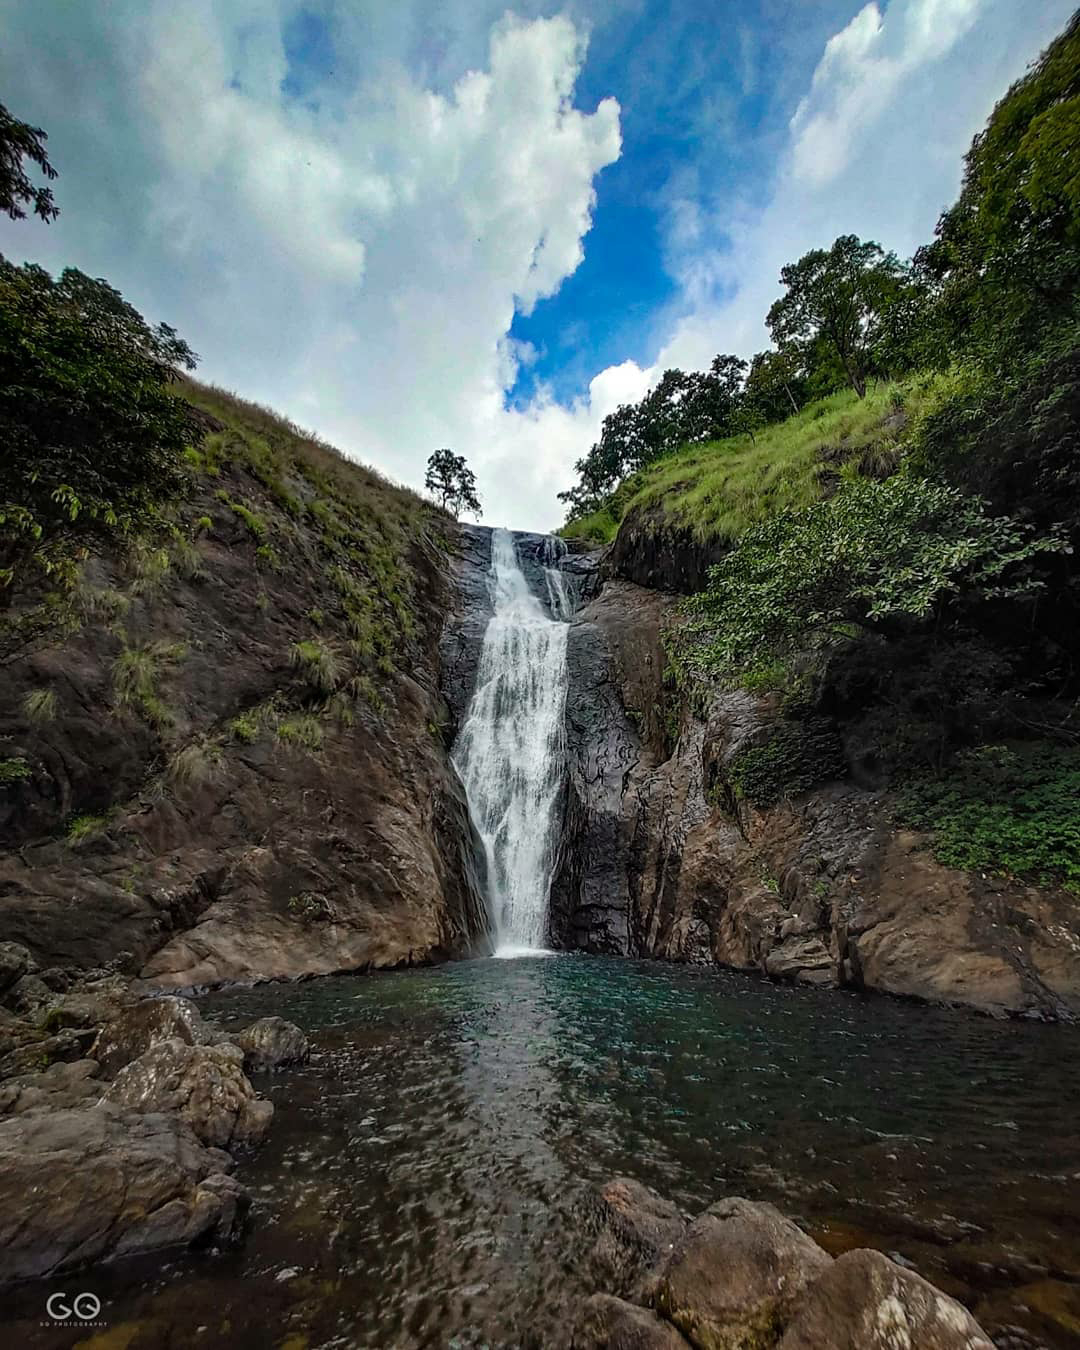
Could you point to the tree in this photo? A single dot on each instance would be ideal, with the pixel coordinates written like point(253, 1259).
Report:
point(93, 437)
point(1006, 256)
point(453, 482)
point(836, 294)
point(19, 142)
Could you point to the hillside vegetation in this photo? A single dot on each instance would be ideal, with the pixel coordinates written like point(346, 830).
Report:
point(885, 540)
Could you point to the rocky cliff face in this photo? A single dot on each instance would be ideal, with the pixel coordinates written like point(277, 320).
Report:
point(190, 806)
point(660, 858)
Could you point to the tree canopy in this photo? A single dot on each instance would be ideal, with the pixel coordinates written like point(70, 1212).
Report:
point(93, 437)
point(452, 482)
point(19, 142)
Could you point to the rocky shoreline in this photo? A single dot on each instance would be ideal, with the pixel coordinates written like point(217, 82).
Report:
point(741, 1276)
point(119, 1119)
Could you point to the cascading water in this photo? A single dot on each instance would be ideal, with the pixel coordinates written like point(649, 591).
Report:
point(511, 752)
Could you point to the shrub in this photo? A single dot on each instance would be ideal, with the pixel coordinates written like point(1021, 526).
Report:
point(135, 675)
point(83, 827)
point(195, 765)
point(876, 557)
point(303, 730)
point(13, 770)
point(40, 706)
point(796, 757)
point(1003, 808)
point(319, 664)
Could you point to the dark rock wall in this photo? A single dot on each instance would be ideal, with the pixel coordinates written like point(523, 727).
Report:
point(283, 860)
point(659, 858)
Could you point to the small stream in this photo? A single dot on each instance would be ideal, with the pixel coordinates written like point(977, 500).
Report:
point(426, 1175)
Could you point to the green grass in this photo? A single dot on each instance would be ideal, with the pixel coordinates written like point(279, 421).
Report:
point(14, 770)
point(40, 707)
point(83, 827)
point(136, 672)
point(720, 489)
point(318, 663)
point(1003, 808)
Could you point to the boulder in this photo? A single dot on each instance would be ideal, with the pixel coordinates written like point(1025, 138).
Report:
point(15, 962)
point(146, 1024)
point(271, 1042)
point(734, 1277)
point(608, 1323)
point(637, 1229)
point(203, 1084)
point(28, 994)
point(97, 1183)
point(60, 1086)
point(865, 1300)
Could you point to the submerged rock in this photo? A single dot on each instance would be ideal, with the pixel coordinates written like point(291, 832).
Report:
point(98, 1183)
point(202, 1084)
point(271, 1043)
point(613, 1324)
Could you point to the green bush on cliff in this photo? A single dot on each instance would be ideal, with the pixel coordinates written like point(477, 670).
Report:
point(876, 557)
point(93, 436)
point(1003, 808)
point(795, 758)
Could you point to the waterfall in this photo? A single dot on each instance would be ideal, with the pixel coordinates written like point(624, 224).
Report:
point(510, 752)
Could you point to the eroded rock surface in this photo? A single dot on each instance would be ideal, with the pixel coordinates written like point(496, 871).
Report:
point(98, 1183)
point(272, 1043)
point(741, 1276)
point(660, 857)
point(204, 1085)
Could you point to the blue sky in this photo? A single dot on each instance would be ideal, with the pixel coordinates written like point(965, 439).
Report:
point(478, 225)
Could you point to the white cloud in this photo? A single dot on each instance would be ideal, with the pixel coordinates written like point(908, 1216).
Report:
point(355, 257)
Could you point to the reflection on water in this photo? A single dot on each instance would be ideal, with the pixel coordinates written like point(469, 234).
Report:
point(424, 1179)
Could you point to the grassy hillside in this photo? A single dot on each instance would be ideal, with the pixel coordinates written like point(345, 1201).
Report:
point(721, 488)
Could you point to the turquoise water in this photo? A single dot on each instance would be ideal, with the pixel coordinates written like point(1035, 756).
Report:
point(427, 1174)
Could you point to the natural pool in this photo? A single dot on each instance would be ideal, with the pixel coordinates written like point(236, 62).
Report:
point(426, 1174)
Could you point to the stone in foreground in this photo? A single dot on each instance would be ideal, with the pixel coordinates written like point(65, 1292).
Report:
point(149, 1022)
point(608, 1323)
point(98, 1183)
point(866, 1300)
point(203, 1084)
point(733, 1279)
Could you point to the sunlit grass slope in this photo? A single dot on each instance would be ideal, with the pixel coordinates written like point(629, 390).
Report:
point(721, 488)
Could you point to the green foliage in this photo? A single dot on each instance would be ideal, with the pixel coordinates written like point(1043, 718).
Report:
point(302, 730)
point(255, 524)
point(40, 706)
point(1003, 808)
point(195, 765)
point(1006, 257)
point(84, 827)
point(876, 556)
point(796, 757)
point(319, 664)
point(93, 439)
point(311, 907)
point(18, 142)
point(451, 480)
point(246, 726)
point(836, 295)
point(136, 672)
point(14, 770)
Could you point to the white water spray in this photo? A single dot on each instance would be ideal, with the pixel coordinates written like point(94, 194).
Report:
point(511, 752)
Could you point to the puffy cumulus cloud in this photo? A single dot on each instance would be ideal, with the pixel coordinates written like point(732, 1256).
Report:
point(354, 257)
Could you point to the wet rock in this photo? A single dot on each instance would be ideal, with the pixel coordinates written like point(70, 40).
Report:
point(637, 1229)
point(147, 1023)
point(865, 1300)
point(37, 1054)
point(15, 961)
point(84, 1185)
point(608, 1323)
point(58, 1087)
point(271, 1043)
point(203, 1084)
point(28, 994)
point(736, 1275)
